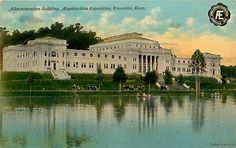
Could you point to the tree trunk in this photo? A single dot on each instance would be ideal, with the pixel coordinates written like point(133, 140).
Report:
point(99, 87)
point(149, 87)
point(199, 85)
point(196, 85)
point(119, 87)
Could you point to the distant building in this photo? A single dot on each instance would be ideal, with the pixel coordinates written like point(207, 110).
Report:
point(133, 52)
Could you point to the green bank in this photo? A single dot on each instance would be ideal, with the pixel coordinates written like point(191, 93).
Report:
point(15, 84)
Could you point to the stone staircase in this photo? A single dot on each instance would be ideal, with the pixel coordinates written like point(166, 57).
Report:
point(174, 85)
point(218, 78)
point(60, 75)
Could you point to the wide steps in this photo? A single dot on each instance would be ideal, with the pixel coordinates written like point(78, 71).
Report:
point(60, 75)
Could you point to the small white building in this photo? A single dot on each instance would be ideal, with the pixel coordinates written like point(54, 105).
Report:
point(133, 52)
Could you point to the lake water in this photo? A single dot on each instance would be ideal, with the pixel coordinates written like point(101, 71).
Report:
point(118, 122)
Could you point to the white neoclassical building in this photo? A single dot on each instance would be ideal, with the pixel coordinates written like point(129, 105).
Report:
point(132, 51)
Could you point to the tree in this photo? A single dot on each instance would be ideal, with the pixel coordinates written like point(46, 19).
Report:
point(150, 78)
point(168, 77)
point(75, 35)
point(228, 71)
point(119, 76)
point(180, 80)
point(99, 76)
point(56, 29)
point(30, 81)
point(198, 66)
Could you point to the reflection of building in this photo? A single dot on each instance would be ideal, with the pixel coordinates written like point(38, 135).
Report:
point(133, 52)
point(147, 113)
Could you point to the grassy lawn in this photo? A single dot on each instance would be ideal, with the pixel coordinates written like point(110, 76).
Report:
point(206, 82)
point(13, 81)
point(44, 81)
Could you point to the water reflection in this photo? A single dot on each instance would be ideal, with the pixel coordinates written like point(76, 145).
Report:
point(198, 107)
point(72, 122)
point(147, 110)
point(119, 109)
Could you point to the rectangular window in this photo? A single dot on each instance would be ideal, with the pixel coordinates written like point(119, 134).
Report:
point(98, 65)
point(45, 63)
point(67, 64)
point(45, 53)
point(173, 68)
point(183, 69)
point(84, 65)
point(49, 63)
point(53, 54)
point(105, 66)
point(90, 65)
point(125, 66)
point(63, 63)
point(178, 69)
point(167, 67)
point(113, 66)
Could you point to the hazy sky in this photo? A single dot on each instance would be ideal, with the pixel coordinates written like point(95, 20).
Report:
point(182, 22)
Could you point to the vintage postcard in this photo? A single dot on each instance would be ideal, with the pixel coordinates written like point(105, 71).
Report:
point(117, 73)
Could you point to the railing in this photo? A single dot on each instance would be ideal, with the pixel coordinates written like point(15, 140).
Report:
point(53, 74)
point(186, 86)
point(158, 84)
point(218, 78)
point(68, 76)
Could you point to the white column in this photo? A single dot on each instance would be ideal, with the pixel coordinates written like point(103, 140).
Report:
point(155, 63)
point(141, 63)
point(146, 64)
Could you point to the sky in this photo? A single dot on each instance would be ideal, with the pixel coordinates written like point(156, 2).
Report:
point(180, 25)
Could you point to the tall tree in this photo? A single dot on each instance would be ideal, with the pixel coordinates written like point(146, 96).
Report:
point(43, 32)
point(180, 80)
point(150, 78)
point(168, 77)
point(56, 29)
point(99, 76)
point(198, 65)
point(75, 35)
point(30, 81)
point(119, 76)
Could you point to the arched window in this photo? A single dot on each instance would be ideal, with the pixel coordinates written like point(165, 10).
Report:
point(105, 56)
point(112, 56)
point(119, 57)
point(75, 54)
point(91, 55)
point(98, 55)
point(83, 54)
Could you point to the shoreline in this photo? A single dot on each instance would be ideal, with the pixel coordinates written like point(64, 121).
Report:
point(70, 93)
